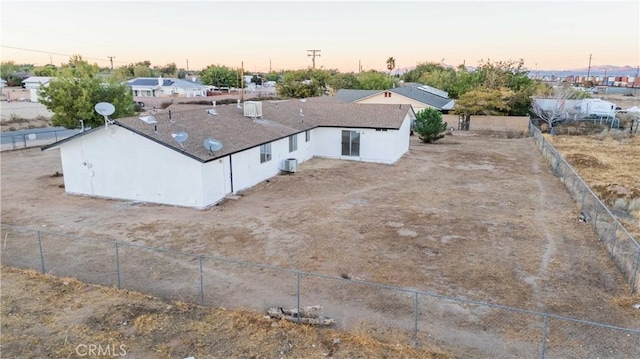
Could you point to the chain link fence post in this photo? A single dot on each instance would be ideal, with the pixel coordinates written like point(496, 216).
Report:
point(544, 338)
point(613, 239)
point(415, 320)
point(298, 295)
point(584, 195)
point(41, 253)
point(201, 283)
point(634, 275)
point(118, 264)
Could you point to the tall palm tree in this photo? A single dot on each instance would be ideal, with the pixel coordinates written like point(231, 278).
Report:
point(391, 64)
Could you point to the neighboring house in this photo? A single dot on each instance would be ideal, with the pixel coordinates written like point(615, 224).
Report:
point(3, 83)
point(417, 95)
point(140, 159)
point(33, 84)
point(165, 87)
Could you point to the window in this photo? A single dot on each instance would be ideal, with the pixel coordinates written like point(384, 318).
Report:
point(293, 143)
point(350, 143)
point(307, 136)
point(265, 153)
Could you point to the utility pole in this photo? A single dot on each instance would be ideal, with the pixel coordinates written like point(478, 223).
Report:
point(589, 70)
point(50, 60)
point(242, 82)
point(111, 59)
point(313, 54)
point(269, 65)
point(604, 78)
point(187, 64)
point(359, 66)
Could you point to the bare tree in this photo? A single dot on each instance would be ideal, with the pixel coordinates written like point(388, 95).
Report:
point(563, 105)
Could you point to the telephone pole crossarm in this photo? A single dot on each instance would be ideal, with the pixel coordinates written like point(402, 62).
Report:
point(313, 54)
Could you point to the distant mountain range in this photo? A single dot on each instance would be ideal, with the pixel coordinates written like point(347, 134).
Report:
point(598, 70)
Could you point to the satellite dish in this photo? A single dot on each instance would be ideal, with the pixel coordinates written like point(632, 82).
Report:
point(104, 108)
point(212, 145)
point(180, 137)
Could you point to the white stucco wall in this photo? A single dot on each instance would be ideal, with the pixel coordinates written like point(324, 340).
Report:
point(93, 165)
point(375, 146)
point(248, 171)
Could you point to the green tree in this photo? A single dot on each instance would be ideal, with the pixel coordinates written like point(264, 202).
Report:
point(7, 68)
point(272, 76)
point(511, 75)
point(339, 81)
point(142, 71)
point(299, 84)
point(374, 80)
point(429, 125)
point(73, 94)
point(46, 70)
point(167, 70)
point(221, 76)
point(482, 102)
point(415, 74)
point(303, 83)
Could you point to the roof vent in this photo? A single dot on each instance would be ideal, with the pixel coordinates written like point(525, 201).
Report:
point(149, 119)
point(212, 112)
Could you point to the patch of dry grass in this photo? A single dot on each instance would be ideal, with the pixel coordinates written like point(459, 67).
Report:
point(609, 163)
point(47, 316)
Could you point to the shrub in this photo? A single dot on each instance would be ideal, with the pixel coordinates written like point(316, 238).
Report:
point(429, 125)
point(621, 204)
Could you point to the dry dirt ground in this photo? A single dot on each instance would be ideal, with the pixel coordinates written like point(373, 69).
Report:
point(475, 217)
point(610, 164)
point(45, 316)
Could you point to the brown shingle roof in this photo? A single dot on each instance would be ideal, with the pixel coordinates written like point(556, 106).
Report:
point(280, 119)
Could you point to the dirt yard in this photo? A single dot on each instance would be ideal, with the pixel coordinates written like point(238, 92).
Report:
point(470, 216)
point(67, 316)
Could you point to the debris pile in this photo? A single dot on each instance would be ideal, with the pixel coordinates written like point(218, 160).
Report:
point(307, 315)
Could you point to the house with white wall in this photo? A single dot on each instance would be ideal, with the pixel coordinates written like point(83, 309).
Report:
point(417, 95)
point(140, 159)
point(33, 84)
point(165, 87)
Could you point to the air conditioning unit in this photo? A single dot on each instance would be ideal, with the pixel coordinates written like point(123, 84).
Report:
point(290, 165)
point(253, 109)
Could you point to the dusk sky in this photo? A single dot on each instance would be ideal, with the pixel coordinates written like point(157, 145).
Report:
point(548, 35)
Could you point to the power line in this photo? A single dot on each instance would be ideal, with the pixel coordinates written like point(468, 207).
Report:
point(313, 56)
point(56, 53)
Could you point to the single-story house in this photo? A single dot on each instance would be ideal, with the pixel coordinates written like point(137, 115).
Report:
point(417, 95)
point(3, 83)
point(165, 87)
point(167, 157)
point(33, 84)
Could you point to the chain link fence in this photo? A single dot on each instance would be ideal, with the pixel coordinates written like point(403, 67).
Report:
point(622, 247)
point(465, 327)
point(31, 138)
